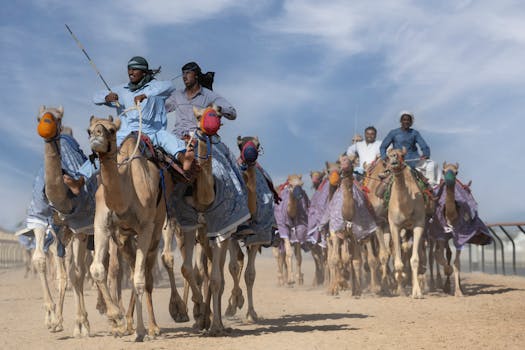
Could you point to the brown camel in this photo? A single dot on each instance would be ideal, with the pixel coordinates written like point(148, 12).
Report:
point(128, 201)
point(202, 198)
point(450, 172)
point(261, 196)
point(60, 198)
point(374, 183)
point(406, 210)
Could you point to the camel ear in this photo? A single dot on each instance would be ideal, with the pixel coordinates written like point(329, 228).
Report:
point(110, 118)
point(197, 113)
point(117, 123)
point(457, 166)
point(60, 110)
point(91, 119)
point(41, 110)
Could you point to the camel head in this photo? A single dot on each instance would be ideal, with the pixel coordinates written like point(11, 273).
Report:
point(317, 177)
point(103, 134)
point(347, 164)
point(396, 159)
point(250, 148)
point(333, 169)
point(49, 122)
point(209, 119)
point(450, 171)
point(295, 181)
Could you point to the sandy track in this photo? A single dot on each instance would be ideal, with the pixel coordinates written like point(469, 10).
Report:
point(491, 316)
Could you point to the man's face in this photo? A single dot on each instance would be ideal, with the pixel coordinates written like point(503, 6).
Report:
point(189, 78)
point(370, 136)
point(135, 75)
point(406, 122)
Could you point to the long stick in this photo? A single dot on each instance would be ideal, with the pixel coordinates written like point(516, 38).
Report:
point(90, 60)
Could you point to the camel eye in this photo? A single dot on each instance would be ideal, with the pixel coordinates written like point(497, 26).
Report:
point(112, 131)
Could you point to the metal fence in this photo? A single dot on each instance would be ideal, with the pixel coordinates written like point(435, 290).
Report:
point(11, 252)
point(506, 255)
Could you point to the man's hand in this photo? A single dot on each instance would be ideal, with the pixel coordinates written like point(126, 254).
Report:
point(111, 97)
point(140, 98)
point(423, 157)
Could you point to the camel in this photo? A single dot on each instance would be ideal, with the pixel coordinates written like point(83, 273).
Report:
point(260, 203)
point(215, 210)
point(292, 220)
point(73, 213)
point(374, 183)
point(455, 218)
point(316, 236)
point(406, 210)
point(128, 201)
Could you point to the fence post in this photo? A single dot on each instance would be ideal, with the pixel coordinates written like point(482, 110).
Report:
point(502, 251)
point(513, 249)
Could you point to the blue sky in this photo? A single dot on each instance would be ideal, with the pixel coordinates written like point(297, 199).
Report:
point(303, 77)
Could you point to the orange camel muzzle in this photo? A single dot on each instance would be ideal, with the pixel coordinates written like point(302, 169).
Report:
point(47, 127)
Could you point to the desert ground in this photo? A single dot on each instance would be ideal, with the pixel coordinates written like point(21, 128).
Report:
point(490, 316)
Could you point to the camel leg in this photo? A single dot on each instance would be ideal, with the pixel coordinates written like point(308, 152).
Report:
point(440, 259)
point(249, 279)
point(289, 255)
point(319, 268)
point(186, 244)
point(139, 277)
point(398, 262)
point(77, 274)
point(383, 256)
point(458, 290)
point(373, 264)
point(97, 269)
point(151, 263)
point(39, 261)
point(298, 260)
point(177, 307)
point(280, 265)
point(235, 266)
point(115, 273)
point(357, 266)
point(431, 259)
point(61, 279)
point(446, 287)
point(333, 261)
point(219, 250)
point(344, 264)
point(414, 262)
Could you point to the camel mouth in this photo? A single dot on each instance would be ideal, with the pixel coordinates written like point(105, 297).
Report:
point(97, 145)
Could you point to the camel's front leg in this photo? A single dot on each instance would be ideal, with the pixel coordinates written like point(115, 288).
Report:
point(384, 255)
point(61, 278)
point(77, 273)
point(333, 263)
point(414, 262)
point(219, 250)
point(139, 277)
point(431, 260)
point(186, 244)
point(398, 262)
point(249, 278)
point(299, 261)
point(277, 254)
point(317, 255)
point(235, 266)
point(442, 246)
point(153, 328)
point(458, 290)
point(97, 269)
point(39, 261)
point(178, 309)
point(289, 255)
point(373, 264)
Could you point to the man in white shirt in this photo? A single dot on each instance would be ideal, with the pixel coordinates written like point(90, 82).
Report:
point(367, 150)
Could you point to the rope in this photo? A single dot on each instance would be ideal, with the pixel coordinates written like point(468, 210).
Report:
point(137, 107)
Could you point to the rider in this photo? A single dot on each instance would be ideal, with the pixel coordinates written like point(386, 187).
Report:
point(150, 94)
point(225, 168)
point(408, 138)
point(367, 150)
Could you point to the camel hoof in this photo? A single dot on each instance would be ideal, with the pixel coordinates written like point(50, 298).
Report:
point(178, 313)
point(417, 295)
point(154, 332)
point(139, 338)
point(230, 310)
point(251, 316)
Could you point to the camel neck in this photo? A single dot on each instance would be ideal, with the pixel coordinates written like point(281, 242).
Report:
point(56, 190)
